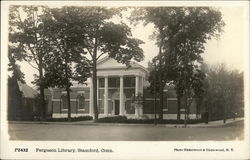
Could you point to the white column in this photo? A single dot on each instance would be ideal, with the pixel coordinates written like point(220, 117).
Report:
point(136, 85)
point(142, 82)
point(106, 97)
point(141, 109)
point(137, 90)
point(121, 97)
point(91, 97)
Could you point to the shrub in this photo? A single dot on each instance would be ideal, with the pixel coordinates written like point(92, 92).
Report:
point(169, 121)
point(115, 119)
point(73, 119)
point(123, 119)
point(140, 121)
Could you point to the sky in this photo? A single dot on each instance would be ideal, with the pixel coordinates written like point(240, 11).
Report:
point(228, 49)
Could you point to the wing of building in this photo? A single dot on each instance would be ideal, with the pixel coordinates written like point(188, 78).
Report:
point(21, 101)
point(117, 85)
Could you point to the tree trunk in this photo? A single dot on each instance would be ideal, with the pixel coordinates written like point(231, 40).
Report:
point(161, 103)
point(68, 101)
point(186, 107)
point(95, 82)
point(206, 114)
point(186, 88)
point(160, 81)
point(67, 82)
point(178, 107)
point(198, 107)
point(224, 113)
point(41, 88)
point(155, 95)
point(95, 90)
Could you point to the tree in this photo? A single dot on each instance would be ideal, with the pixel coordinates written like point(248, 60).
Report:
point(236, 94)
point(196, 26)
point(181, 33)
point(63, 65)
point(103, 37)
point(13, 55)
point(198, 86)
point(159, 16)
point(27, 33)
point(223, 93)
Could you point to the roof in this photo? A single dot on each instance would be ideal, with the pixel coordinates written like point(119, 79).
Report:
point(28, 92)
point(102, 59)
point(133, 64)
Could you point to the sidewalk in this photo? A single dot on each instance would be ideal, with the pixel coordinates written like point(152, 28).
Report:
point(218, 123)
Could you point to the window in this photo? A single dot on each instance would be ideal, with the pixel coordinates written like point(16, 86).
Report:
point(132, 81)
point(81, 102)
point(129, 81)
point(118, 82)
point(64, 104)
point(114, 82)
point(101, 82)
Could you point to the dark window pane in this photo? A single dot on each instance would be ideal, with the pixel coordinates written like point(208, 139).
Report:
point(114, 82)
point(127, 81)
point(101, 82)
point(118, 82)
point(64, 102)
point(132, 81)
point(81, 102)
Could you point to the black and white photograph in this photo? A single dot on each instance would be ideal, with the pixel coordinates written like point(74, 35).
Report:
point(124, 80)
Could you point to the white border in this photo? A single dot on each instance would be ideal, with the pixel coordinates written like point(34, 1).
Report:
point(123, 150)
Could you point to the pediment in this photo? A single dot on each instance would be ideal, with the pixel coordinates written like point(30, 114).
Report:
point(108, 62)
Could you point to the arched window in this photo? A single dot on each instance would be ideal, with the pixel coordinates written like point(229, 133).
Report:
point(81, 102)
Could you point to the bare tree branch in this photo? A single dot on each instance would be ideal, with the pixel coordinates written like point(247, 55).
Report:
point(90, 53)
point(100, 55)
point(33, 54)
point(32, 65)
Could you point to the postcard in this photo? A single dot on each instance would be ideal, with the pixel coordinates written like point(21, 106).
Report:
point(125, 80)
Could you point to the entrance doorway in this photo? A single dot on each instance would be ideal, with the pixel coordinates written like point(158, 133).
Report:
point(117, 107)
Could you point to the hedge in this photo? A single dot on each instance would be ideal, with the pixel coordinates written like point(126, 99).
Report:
point(73, 119)
point(115, 119)
point(123, 119)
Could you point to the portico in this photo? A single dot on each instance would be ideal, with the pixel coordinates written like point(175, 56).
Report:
point(116, 86)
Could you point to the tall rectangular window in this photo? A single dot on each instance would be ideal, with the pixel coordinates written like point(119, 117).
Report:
point(81, 103)
point(132, 81)
point(64, 102)
point(101, 83)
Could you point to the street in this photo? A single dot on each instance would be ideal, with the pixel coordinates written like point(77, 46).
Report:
point(65, 132)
